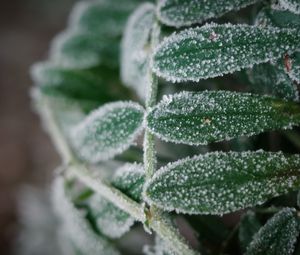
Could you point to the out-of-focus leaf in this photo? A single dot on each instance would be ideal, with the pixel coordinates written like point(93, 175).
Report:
point(249, 226)
point(135, 49)
point(291, 5)
point(74, 227)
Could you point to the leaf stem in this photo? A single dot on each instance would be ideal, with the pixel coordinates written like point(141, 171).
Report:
point(79, 170)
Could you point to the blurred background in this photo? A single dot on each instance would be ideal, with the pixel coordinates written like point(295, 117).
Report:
point(26, 154)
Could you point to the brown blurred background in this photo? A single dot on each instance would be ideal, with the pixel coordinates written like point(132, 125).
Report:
point(26, 154)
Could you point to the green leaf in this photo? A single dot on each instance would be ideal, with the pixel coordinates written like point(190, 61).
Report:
point(291, 5)
point(111, 221)
point(277, 236)
point(214, 50)
point(135, 49)
point(249, 226)
point(201, 117)
point(270, 79)
point(75, 84)
point(180, 13)
point(108, 131)
point(73, 225)
point(278, 18)
point(294, 73)
point(218, 183)
point(130, 180)
point(81, 49)
point(106, 18)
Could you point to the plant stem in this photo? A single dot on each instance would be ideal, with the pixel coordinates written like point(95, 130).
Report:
point(98, 185)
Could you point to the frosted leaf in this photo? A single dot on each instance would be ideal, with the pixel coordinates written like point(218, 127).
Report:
point(130, 179)
point(214, 50)
point(270, 79)
point(159, 248)
point(278, 236)
point(80, 85)
point(80, 49)
point(180, 13)
point(108, 131)
point(201, 117)
point(111, 221)
point(104, 17)
point(74, 226)
point(135, 49)
point(249, 226)
point(294, 72)
point(291, 5)
point(218, 182)
point(277, 18)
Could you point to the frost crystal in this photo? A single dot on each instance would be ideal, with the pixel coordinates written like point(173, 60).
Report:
point(74, 226)
point(107, 131)
point(111, 221)
point(130, 179)
point(291, 5)
point(218, 183)
point(277, 237)
point(214, 50)
point(135, 49)
point(187, 12)
point(201, 117)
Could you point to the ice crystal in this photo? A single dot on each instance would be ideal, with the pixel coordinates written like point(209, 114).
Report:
point(74, 227)
point(130, 180)
point(201, 117)
point(218, 182)
point(107, 131)
point(135, 49)
point(214, 50)
point(278, 236)
point(111, 221)
point(187, 12)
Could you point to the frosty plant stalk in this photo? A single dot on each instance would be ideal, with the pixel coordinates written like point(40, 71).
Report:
point(136, 148)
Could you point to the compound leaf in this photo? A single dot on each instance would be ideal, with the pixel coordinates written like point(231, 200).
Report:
point(74, 226)
point(135, 49)
point(187, 12)
point(218, 182)
point(107, 131)
point(277, 236)
point(201, 117)
point(214, 50)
